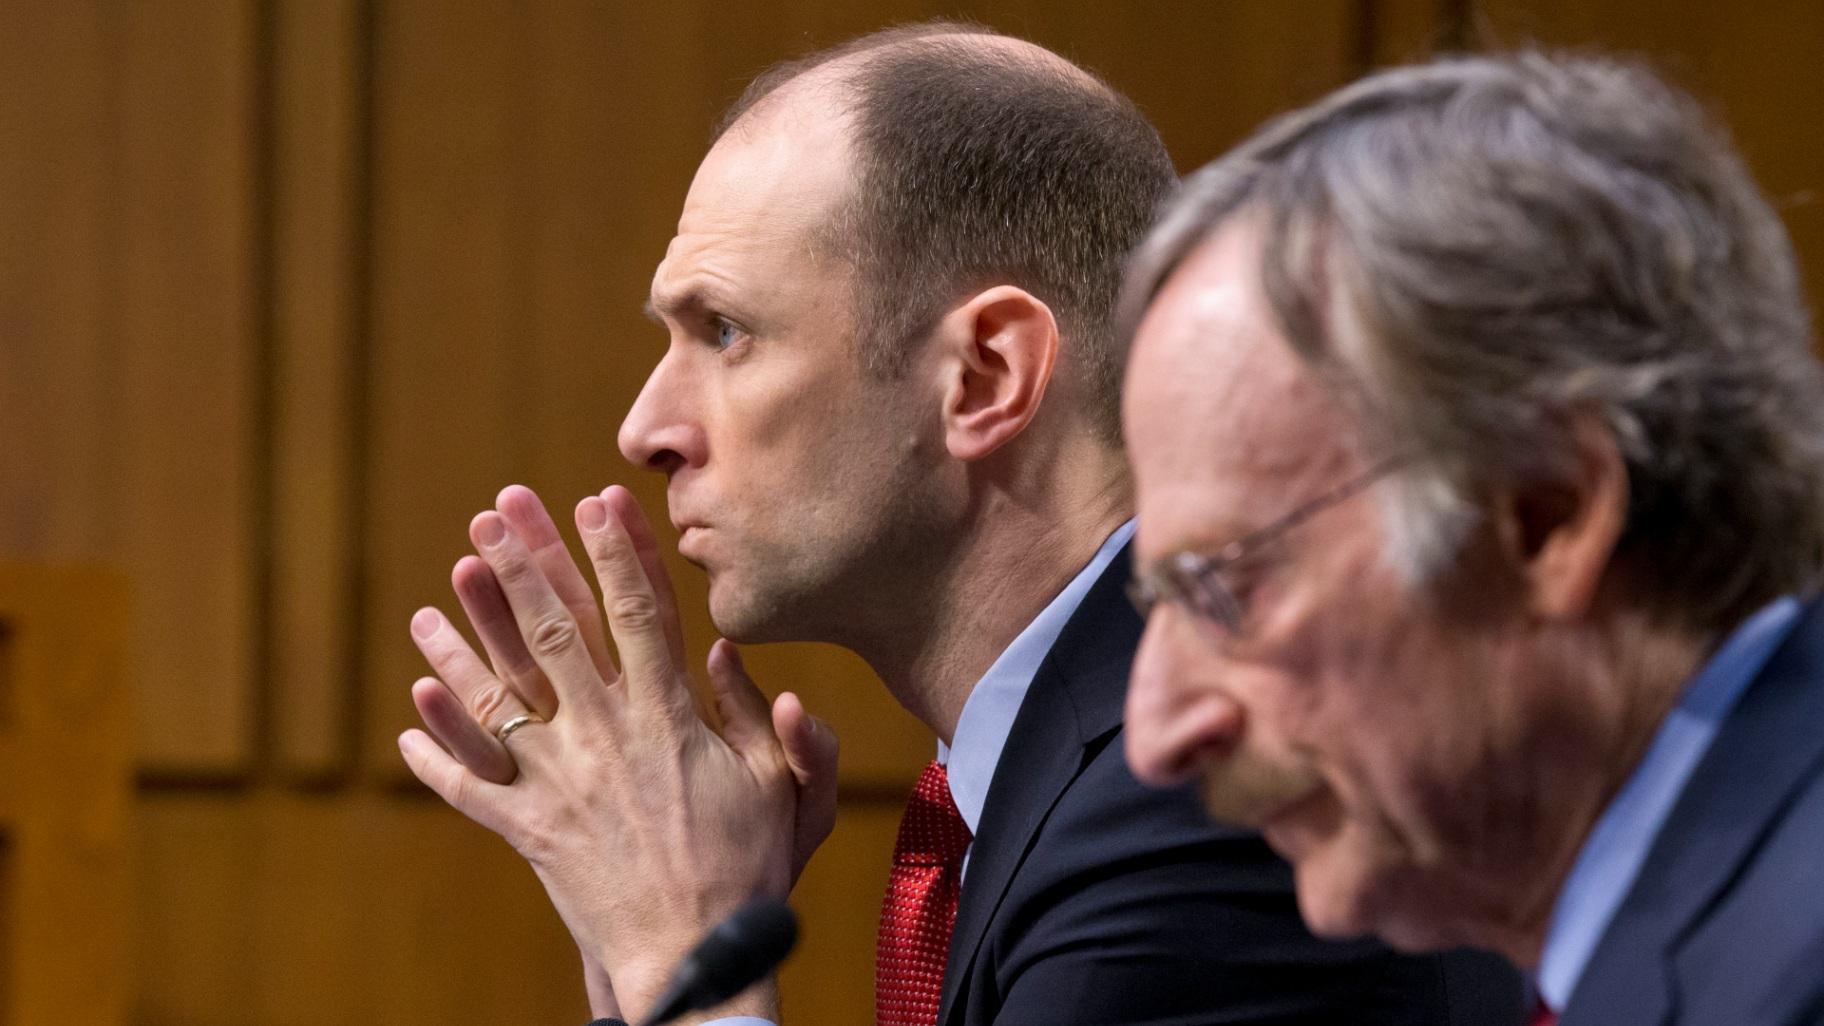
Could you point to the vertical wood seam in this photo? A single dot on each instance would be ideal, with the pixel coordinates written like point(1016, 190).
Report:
point(263, 335)
point(361, 242)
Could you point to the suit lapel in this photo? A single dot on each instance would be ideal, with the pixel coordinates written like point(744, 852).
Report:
point(1075, 700)
point(1762, 753)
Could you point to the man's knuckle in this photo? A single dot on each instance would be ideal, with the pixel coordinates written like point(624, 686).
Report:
point(634, 610)
point(512, 568)
point(488, 702)
point(553, 634)
point(613, 564)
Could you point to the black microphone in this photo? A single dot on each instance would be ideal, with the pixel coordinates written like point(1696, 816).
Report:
point(737, 953)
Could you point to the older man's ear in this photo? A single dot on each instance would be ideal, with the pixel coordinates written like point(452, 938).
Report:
point(1561, 535)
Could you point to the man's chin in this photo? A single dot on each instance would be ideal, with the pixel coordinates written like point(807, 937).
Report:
point(743, 621)
point(1342, 896)
point(1333, 908)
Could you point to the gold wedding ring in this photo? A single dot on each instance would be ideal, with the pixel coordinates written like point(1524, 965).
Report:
point(514, 724)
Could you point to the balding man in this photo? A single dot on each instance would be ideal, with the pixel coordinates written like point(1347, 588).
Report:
point(888, 415)
point(1479, 448)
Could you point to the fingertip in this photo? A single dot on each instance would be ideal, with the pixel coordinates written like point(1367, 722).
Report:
point(625, 507)
point(788, 712)
point(426, 693)
point(412, 742)
point(726, 652)
point(592, 514)
point(487, 529)
point(425, 623)
point(471, 576)
point(522, 506)
point(721, 664)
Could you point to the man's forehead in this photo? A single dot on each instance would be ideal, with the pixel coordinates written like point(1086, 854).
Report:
point(754, 211)
point(1210, 358)
point(1221, 415)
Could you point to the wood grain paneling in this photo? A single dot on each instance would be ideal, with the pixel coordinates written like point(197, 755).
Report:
point(65, 793)
point(58, 182)
point(382, 911)
point(1402, 31)
point(830, 978)
point(317, 168)
point(1756, 67)
point(179, 509)
point(450, 291)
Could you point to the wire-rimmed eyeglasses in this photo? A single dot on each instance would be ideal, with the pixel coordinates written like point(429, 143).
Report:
point(1199, 581)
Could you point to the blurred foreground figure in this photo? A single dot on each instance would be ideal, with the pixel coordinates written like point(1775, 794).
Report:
point(889, 416)
point(1479, 452)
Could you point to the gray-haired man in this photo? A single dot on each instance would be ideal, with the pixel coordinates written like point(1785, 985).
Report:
point(1480, 468)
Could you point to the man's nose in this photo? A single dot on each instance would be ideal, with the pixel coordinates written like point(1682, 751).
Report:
point(660, 431)
point(1177, 713)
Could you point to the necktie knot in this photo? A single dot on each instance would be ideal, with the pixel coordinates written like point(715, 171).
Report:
point(932, 832)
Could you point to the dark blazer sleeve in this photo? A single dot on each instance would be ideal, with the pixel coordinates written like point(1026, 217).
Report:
point(1134, 908)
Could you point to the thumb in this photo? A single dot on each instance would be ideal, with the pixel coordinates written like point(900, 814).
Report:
point(811, 750)
point(740, 703)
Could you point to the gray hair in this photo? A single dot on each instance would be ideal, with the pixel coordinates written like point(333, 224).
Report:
point(1479, 251)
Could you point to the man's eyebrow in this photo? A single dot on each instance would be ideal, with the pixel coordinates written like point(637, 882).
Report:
point(692, 300)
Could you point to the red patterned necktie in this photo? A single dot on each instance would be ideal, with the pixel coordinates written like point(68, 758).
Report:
point(920, 909)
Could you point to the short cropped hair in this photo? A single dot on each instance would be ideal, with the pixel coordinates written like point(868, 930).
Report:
point(980, 166)
point(1481, 250)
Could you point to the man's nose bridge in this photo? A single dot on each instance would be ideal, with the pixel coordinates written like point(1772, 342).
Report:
point(654, 409)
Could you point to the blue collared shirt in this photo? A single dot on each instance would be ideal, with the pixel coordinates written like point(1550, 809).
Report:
point(989, 711)
point(1618, 844)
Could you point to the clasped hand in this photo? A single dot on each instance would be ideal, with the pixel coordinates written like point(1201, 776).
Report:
point(645, 824)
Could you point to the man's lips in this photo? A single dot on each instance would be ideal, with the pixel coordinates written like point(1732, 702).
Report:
point(689, 537)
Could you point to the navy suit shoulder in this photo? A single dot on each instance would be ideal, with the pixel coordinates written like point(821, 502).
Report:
point(1725, 923)
point(1091, 898)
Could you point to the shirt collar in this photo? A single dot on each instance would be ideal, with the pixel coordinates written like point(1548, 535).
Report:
point(989, 712)
point(1619, 842)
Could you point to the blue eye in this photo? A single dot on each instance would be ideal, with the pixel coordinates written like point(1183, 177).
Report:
point(726, 334)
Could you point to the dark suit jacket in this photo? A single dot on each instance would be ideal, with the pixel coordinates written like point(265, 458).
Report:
point(1092, 899)
point(1725, 924)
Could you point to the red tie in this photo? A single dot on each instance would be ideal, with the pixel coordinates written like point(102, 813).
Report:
point(1545, 1016)
point(920, 910)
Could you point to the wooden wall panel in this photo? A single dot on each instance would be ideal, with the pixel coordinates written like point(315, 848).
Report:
point(1401, 31)
point(180, 506)
point(830, 978)
point(353, 909)
point(57, 176)
point(318, 180)
point(65, 793)
point(1756, 67)
point(450, 292)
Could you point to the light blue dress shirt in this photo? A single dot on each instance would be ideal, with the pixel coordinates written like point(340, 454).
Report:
point(1618, 845)
point(988, 713)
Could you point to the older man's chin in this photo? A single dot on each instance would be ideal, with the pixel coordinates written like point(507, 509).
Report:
point(1342, 895)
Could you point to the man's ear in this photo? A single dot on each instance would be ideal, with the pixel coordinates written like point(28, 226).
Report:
point(1562, 535)
point(999, 349)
